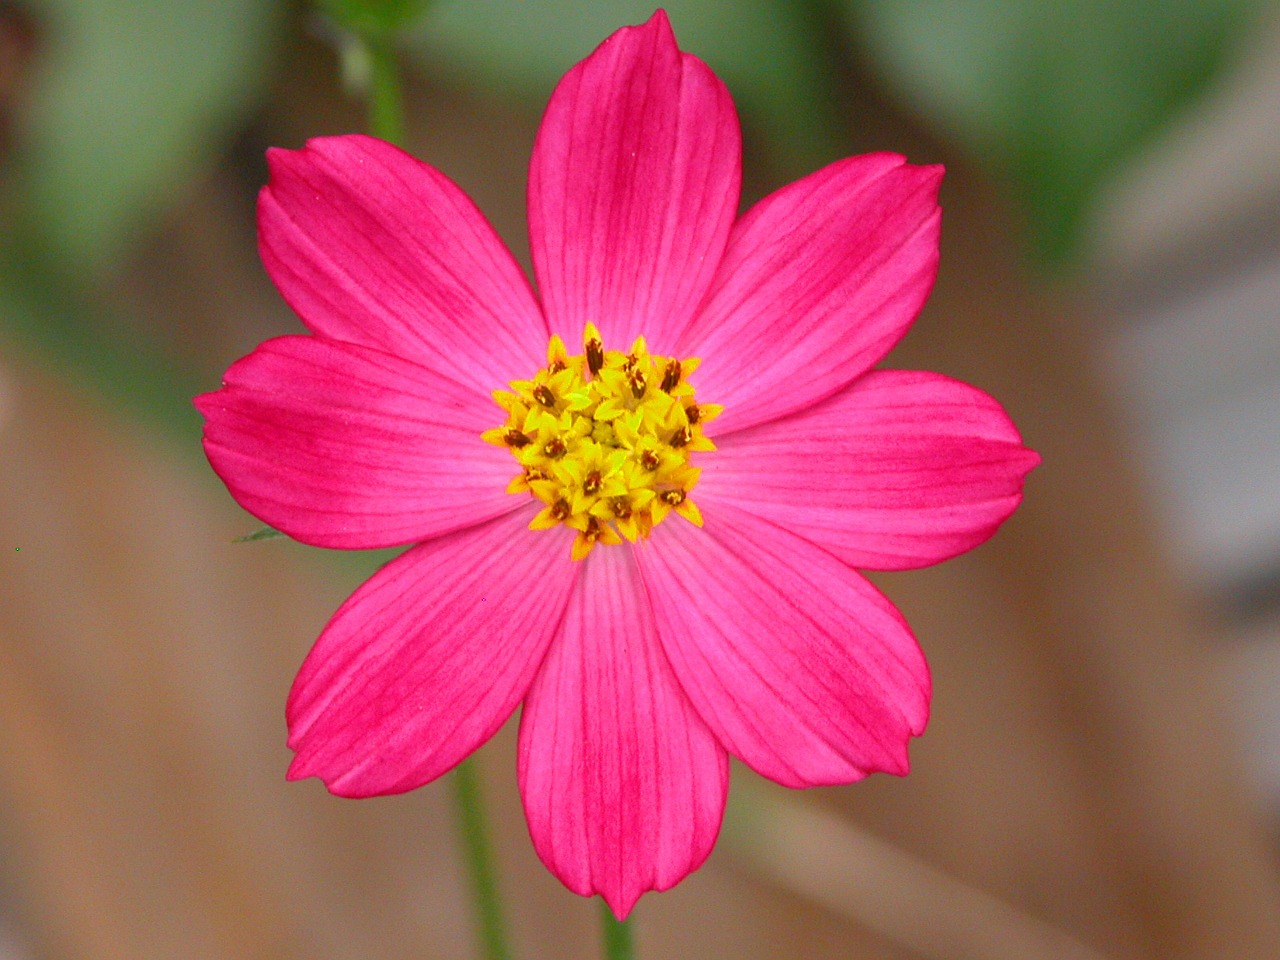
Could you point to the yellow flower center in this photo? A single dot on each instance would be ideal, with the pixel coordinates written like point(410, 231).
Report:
point(603, 439)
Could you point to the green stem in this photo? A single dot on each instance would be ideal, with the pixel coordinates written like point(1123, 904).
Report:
point(469, 809)
point(617, 935)
point(386, 102)
point(386, 120)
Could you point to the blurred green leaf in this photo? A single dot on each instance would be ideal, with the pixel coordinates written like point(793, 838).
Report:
point(374, 17)
point(130, 99)
point(1052, 97)
point(763, 49)
point(52, 311)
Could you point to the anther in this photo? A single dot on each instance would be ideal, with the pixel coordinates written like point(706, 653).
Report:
point(542, 393)
point(621, 508)
point(673, 497)
point(650, 460)
point(595, 356)
point(671, 375)
point(682, 437)
point(561, 509)
point(591, 485)
point(514, 438)
point(555, 366)
point(692, 414)
point(636, 379)
point(556, 448)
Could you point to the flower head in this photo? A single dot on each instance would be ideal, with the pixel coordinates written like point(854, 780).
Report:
point(639, 497)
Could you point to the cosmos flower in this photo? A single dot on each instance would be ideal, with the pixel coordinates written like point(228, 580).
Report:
point(638, 498)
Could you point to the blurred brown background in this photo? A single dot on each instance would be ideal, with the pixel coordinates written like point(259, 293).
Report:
point(1099, 779)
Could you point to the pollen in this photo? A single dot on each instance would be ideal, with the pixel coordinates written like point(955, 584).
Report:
point(603, 440)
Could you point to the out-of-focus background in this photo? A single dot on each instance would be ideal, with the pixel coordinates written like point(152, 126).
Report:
point(1101, 778)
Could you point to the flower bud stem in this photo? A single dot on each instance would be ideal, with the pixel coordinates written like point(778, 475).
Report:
point(386, 121)
point(386, 102)
point(469, 810)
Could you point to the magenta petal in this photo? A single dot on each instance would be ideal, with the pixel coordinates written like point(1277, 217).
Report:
point(800, 667)
point(819, 281)
point(370, 245)
point(428, 658)
point(633, 187)
point(340, 445)
point(901, 469)
point(623, 784)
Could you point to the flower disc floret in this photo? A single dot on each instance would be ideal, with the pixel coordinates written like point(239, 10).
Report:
point(603, 440)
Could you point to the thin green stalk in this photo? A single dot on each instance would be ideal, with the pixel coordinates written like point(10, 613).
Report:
point(386, 120)
point(617, 935)
point(469, 809)
point(386, 101)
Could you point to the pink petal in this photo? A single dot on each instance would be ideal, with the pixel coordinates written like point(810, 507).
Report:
point(429, 657)
point(340, 445)
point(900, 469)
point(819, 281)
point(369, 245)
point(800, 667)
point(624, 786)
point(633, 187)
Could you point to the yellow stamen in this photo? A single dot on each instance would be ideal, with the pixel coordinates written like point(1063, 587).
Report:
point(603, 440)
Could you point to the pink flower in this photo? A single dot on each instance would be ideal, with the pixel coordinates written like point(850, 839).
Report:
point(687, 591)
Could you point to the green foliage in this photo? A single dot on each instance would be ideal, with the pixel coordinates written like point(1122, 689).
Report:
point(764, 49)
point(131, 99)
point(1052, 97)
point(376, 18)
point(48, 307)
